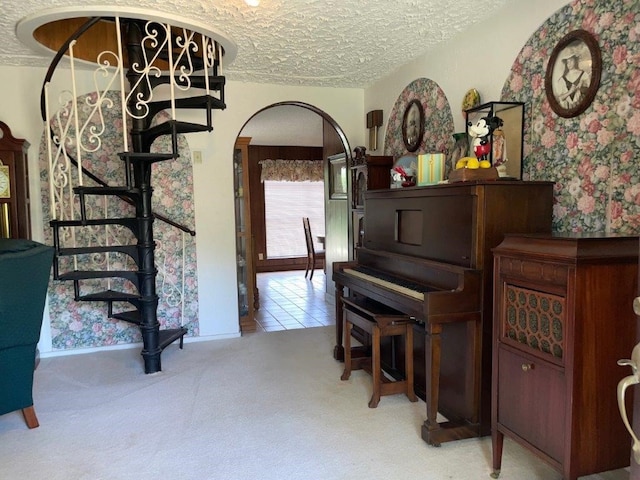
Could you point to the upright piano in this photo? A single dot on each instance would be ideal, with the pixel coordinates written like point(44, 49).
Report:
point(427, 254)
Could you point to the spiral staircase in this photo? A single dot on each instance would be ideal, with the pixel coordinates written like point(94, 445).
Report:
point(156, 69)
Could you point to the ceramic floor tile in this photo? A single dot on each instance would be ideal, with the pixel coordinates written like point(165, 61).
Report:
point(289, 301)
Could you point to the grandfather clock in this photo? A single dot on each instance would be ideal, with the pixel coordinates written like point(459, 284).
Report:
point(15, 221)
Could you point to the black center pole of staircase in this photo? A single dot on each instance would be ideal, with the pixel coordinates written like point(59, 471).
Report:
point(149, 325)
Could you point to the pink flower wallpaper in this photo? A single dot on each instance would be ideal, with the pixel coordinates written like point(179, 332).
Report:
point(590, 157)
point(86, 324)
point(437, 114)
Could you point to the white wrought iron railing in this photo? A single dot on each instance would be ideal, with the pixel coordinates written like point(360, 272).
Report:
point(88, 114)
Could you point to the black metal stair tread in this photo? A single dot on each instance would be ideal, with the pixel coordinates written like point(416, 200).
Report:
point(198, 101)
point(179, 127)
point(170, 335)
point(109, 296)
point(128, 249)
point(90, 274)
point(132, 316)
point(147, 157)
point(165, 337)
point(119, 190)
point(216, 82)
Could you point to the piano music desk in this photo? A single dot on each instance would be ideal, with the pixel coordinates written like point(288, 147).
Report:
point(378, 321)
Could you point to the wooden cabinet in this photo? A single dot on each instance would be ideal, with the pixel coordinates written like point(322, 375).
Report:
point(367, 173)
point(562, 319)
point(15, 220)
point(248, 299)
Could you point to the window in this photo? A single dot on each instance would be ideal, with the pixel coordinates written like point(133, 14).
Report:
point(285, 205)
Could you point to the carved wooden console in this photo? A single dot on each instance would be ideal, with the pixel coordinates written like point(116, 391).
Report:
point(562, 318)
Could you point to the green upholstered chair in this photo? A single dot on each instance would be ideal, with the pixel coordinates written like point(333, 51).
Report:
point(25, 267)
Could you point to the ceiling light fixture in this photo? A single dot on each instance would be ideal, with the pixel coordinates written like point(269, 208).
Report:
point(252, 3)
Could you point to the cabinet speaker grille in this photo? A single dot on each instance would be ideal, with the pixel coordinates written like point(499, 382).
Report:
point(535, 319)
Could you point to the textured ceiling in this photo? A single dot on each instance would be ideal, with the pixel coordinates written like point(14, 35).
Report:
point(334, 43)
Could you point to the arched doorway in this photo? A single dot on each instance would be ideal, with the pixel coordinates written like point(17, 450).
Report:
point(290, 130)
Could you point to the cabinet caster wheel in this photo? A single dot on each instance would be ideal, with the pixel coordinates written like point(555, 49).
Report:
point(495, 474)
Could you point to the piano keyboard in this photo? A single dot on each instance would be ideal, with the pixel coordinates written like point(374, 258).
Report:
point(405, 287)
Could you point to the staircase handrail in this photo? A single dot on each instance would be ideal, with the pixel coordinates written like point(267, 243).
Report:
point(50, 71)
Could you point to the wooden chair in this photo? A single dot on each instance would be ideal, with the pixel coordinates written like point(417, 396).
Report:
point(314, 259)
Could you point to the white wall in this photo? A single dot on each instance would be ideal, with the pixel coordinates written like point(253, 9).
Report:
point(213, 185)
point(20, 110)
point(213, 181)
point(480, 57)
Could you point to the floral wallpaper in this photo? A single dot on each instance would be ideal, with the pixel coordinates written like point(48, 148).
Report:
point(85, 324)
point(590, 156)
point(437, 115)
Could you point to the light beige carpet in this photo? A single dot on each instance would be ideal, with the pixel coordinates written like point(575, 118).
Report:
point(264, 406)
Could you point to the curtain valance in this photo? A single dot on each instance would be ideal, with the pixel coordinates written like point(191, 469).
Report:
point(292, 170)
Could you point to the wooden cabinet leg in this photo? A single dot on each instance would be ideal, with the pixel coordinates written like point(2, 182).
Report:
point(29, 415)
point(497, 441)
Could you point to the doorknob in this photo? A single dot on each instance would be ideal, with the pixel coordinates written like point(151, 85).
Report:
point(625, 383)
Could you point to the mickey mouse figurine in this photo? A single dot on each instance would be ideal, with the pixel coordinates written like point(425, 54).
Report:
point(481, 132)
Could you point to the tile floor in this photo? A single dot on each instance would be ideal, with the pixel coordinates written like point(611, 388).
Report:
point(289, 301)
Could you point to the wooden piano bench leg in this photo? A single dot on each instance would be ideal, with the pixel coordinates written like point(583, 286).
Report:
point(408, 362)
point(376, 370)
point(378, 321)
point(347, 350)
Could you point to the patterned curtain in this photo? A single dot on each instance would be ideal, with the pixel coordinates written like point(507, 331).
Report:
point(292, 170)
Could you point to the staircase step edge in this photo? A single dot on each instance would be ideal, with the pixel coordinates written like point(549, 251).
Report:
point(168, 336)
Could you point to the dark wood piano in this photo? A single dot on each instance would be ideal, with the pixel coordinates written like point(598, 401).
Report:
point(427, 254)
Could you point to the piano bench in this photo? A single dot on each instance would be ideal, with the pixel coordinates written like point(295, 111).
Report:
point(378, 321)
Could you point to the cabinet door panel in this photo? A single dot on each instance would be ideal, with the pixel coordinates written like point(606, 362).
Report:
point(532, 401)
point(248, 296)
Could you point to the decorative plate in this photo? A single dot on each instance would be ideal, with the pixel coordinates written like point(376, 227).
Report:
point(471, 99)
